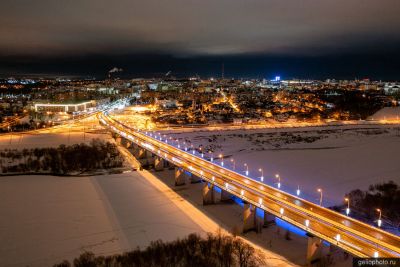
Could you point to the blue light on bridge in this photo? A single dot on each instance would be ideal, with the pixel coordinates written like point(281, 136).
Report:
point(279, 222)
point(217, 189)
point(285, 225)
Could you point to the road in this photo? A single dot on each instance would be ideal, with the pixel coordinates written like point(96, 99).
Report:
point(355, 237)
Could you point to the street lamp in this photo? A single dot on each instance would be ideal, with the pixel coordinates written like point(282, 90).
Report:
point(320, 196)
point(222, 159)
point(262, 174)
point(279, 180)
point(380, 217)
point(211, 158)
point(234, 164)
point(247, 169)
point(348, 206)
point(298, 190)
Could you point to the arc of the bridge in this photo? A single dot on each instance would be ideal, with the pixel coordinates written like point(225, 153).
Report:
point(275, 212)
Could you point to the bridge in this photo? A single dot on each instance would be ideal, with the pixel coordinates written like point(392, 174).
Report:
point(320, 224)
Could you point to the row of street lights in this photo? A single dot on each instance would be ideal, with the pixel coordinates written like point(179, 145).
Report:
point(277, 176)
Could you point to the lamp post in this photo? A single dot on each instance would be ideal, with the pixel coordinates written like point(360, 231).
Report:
point(348, 206)
point(247, 169)
point(262, 174)
point(380, 217)
point(320, 196)
point(222, 159)
point(234, 164)
point(277, 176)
point(298, 190)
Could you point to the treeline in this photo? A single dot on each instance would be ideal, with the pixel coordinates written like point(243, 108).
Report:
point(62, 160)
point(385, 196)
point(214, 250)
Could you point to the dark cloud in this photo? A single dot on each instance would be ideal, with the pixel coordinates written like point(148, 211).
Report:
point(196, 27)
point(303, 38)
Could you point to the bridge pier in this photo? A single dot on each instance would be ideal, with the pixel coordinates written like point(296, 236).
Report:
point(208, 194)
point(125, 143)
point(141, 153)
point(194, 179)
point(128, 144)
point(180, 176)
point(159, 164)
point(225, 195)
point(118, 139)
point(268, 218)
point(250, 220)
point(314, 249)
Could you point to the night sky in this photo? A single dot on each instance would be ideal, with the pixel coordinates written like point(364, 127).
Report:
point(253, 38)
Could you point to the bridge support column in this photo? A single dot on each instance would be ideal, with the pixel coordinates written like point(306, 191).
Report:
point(250, 220)
point(159, 164)
point(128, 144)
point(314, 249)
point(194, 179)
point(118, 139)
point(135, 146)
point(208, 194)
point(180, 176)
point(268, 218)
point(125, 143)
point(225, 195)
point(141, 153)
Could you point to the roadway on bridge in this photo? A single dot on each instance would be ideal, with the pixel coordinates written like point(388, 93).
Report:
point(352, 235)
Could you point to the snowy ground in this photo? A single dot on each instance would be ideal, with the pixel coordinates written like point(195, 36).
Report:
point(387, 114)
point(335, 159)
point(277, 250)
point(45, 219)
